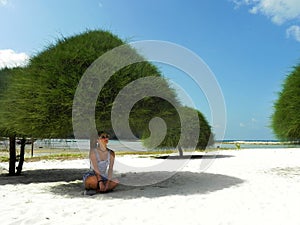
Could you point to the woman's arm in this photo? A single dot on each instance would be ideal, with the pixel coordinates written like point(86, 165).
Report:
point(110, 170)
point(111, 164)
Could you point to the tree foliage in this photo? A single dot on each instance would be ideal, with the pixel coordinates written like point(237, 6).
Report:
point(4, 76)
point(39, 97)
point(174, 120)
point(43, 92)
point(286, 116)
point(7, 77)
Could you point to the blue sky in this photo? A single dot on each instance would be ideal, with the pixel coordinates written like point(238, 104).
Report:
point(250, 45)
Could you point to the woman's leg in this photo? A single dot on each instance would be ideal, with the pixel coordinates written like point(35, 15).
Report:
point(91, 182)
point(112, 184)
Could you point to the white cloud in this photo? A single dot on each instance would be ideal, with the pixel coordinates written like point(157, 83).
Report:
point(3, 2)
point(294, 32)
point(279, 11)
point(9, 58)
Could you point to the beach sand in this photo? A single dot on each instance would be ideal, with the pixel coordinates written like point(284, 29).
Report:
point(250, 186)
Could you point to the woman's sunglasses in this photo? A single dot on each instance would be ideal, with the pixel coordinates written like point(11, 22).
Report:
point(104, 136)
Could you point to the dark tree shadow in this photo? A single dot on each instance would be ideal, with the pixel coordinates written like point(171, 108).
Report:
point(176, 183)
point(179, 183)
point(43, 176)
point(182, 183)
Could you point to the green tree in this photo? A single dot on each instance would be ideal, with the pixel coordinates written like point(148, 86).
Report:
point(39, 98)
point(7, 76)
point(44, 91)
point(286, 116)
point(197, 133)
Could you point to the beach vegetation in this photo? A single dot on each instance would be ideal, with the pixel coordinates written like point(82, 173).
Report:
point(195, 130)
point(286, 116)
point(7, 75)
point(237, 145)
point(38, 98)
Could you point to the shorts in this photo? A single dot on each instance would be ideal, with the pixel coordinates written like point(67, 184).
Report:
point(92, 173)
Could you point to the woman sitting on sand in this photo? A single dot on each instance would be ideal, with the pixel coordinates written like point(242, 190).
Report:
point(99, 178)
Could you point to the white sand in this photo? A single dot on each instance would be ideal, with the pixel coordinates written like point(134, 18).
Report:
point(257, 187)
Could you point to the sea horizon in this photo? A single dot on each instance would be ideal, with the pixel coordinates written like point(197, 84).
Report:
point(137, 145)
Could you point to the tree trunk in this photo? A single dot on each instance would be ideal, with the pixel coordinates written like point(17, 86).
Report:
point(32, 141)
point(22, 153)
point(12, 155)
point(93, 142)
point(180, 151)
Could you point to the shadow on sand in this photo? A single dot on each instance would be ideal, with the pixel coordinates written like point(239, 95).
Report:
point(43, 176)
point(69, 183)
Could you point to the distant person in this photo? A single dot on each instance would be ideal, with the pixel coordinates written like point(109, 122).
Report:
point(99, 178)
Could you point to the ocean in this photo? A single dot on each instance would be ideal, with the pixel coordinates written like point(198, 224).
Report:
point(235, 144)
point(83, 145)
point(138, 146)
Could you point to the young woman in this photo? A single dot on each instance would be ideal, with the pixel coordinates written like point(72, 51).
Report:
point(99, 178)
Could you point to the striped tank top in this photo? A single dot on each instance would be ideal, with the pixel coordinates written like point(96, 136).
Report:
point(103, 164)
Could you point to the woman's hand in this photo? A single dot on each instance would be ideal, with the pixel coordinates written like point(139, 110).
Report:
point(102, 186)
point(107, 185)
point(98, 177)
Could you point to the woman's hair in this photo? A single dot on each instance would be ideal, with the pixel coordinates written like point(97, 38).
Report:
point(101, 132)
